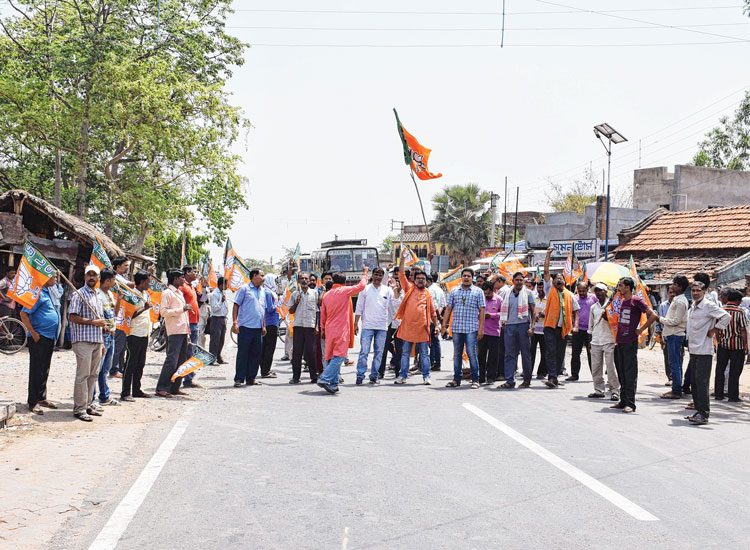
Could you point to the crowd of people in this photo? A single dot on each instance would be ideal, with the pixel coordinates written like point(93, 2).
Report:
point(492, 321)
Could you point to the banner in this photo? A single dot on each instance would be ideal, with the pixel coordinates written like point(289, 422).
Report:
point(201, 358)
point(155, 289)
point(32, 274)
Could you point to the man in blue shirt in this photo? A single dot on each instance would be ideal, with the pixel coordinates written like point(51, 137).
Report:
point(41, 322)
point(249, 323)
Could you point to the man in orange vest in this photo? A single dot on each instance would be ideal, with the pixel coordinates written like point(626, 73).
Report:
point(560, 319)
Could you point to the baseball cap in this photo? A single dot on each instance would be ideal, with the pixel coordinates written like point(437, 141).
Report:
point(600, 286)
point(92, 267)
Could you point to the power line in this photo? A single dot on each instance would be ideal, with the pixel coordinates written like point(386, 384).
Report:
point(563, 45)
point(556, 12)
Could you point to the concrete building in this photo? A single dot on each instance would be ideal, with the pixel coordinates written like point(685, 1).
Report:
point(689, 188)
point(589, 225)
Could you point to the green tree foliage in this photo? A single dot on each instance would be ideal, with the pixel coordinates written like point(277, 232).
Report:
point(169, 249)
point(574, 197)
point(386, 247)
point(131, 131)
point(728, 144)
point(263, 265)
point(462, 221)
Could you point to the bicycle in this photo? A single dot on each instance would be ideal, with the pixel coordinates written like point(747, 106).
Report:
point(12, 335)
point(157, 340)
point(282, 331)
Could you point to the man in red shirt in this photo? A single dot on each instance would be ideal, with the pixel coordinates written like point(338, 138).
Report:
point(191, 299)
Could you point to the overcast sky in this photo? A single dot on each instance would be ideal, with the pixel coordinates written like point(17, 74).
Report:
point(323, 156)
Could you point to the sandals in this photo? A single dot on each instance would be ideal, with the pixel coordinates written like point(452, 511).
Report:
point(690, 406)
point(271, 374)
point(670, 395)
point(452, 384)
point(85, 417)
point(505, 386)
point(255, 383)
point(474, 385)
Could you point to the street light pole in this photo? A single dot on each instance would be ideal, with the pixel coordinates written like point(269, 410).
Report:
point(612, 136)
point(493, 208)
point(609, 176)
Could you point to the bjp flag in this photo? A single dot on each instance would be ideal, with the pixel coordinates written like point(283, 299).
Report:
point(415, 154)
point(201, 358)
point(213, 280)
point(129, 299)
point(155, 289)
point(229, 256)
point(32, 274)
point(410, 258)
point(572, 270)
point(99, 256)
point(452, 279)
point(239, 275)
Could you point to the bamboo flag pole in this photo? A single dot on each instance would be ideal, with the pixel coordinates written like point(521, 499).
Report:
point(77, 292)
point(429, 239)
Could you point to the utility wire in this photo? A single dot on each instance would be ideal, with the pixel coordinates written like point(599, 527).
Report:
point(487, 29)
point(568, 11)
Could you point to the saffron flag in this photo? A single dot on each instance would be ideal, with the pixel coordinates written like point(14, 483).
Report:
point(129, 299)
point(32, 274)
point(452, 279)
point(508, 269)
point(229, 256)
point(613, 311)
point(641, 291)
point(201, 358)
point(240, 274)
point(99, 256)
point(410, 258)
point(155, 289)
point(572, 270)
point(415, 154)
point(213, 280)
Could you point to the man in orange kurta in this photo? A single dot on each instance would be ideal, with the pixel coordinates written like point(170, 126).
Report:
point(336, 321)
point(416, 311)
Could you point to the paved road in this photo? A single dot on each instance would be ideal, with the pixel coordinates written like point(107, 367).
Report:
point(283, 466)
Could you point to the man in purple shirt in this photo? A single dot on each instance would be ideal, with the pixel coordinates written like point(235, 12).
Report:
point(626, 341)
point(582, 338)
point(488, 347)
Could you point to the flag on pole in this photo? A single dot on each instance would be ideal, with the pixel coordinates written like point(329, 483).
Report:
point(572, 270)
point(508, 269)
point(415, 155)
point(201, 358)
point(452, 279)
point(239, 276)
point(129, 299)
point(32, 274)
point(155, 289)
point(640, 290)
point(213, 280)
point(99, 256)
point(613, 311)
point(410, 258)
point(296, 256)
point(229, 256)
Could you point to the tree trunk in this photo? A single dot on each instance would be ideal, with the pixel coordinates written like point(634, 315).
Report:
point(83, 148)
point(138, 246)
point(58, 179)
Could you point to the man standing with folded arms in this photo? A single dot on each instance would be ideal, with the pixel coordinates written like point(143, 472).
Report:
point(86, 324)
point(42, 322)
point(175, 313)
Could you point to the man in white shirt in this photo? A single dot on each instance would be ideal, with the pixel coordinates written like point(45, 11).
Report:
point(439, 301)
point(372, 308)
point(705, 319)
point(674, 324)
point(304, 306)
point(392, 342)
point(137, 341)
point(602, 347)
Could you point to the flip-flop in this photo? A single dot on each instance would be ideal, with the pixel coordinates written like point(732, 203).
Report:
point(452, 384)
point(85, 417)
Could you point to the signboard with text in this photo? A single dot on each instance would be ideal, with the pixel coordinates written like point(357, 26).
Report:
point(584, 248)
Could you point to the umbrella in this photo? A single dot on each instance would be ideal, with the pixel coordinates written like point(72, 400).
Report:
point(608, 273)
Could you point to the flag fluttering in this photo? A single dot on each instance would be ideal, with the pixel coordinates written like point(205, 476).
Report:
point(415, 155)
point(452, 279)
point(99, 256)
point(129, 299)
point(201, 358)
point(229, 256)
point(155, 289)
point(572, 270)
point(32, 274)
point(410, 258)
point(239, 275)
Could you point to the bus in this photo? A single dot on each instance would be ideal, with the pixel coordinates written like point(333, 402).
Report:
point(347, 256)
point(305, 263)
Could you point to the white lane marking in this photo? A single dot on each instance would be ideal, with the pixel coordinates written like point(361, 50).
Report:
point(582, 477)
point(126, 510)
point(345, 541)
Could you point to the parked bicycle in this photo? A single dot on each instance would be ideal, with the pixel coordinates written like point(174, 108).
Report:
point(12, 335)
point(157, 340)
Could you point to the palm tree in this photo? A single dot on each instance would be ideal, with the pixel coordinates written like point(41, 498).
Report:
point(462, 221)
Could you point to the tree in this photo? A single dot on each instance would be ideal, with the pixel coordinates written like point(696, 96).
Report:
point(263, 265)
point(574, 198)
point(121, 115)
point(169, 250)
point(386, 247)
point(728, 145)
point(462, 221)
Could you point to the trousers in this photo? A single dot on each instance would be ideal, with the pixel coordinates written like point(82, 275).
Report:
point(304, 344)
point(735, 358)
point(131, 378)
point(40, 358)
point(88, 356)
point(177, 354)
point(626, 363)
point(700, 372)
point(537, 340)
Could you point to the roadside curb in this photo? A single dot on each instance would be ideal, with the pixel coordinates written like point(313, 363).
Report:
point(7, 411)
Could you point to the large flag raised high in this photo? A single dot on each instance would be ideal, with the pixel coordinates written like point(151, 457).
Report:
point(415, 154)
point(240, 275)
point(99, 256)
point(572, 270)
point(229, 256)
point(33, 272)
point(201, 358)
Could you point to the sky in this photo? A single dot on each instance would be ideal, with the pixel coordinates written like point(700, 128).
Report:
point(323, 157)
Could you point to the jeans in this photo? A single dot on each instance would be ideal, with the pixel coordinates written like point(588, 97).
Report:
point(105, 367)
point(118, 359)
point(193, 341)
point(365, 341)
point(249, 347)
point(435, 351)
point(555, 351)
point(394, 344)
point(674, 354)
point(735, 358)
point(580, 340)
point(332, 371)
point(304, 343)
point(137, 346)
point(422, 351)
point(268, 348)
point(700, 370)
point(626, 363)
point(517, 340)
point(177, 354)
point(468, 340)
point(40, 357)
point(489, 360)
point(538, 340)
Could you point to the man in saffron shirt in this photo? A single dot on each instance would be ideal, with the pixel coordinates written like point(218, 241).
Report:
point(415, 312)
point(337, 322)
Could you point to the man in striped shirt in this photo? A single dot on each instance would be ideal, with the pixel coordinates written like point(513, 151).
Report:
point(732, 347)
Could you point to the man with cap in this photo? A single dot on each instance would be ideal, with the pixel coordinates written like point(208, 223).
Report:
point(602, 347)
point(86, 324)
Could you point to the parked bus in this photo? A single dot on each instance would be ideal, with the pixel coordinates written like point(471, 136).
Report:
point(347, 256)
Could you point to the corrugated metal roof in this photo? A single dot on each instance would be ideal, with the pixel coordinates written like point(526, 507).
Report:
point(709, 229)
